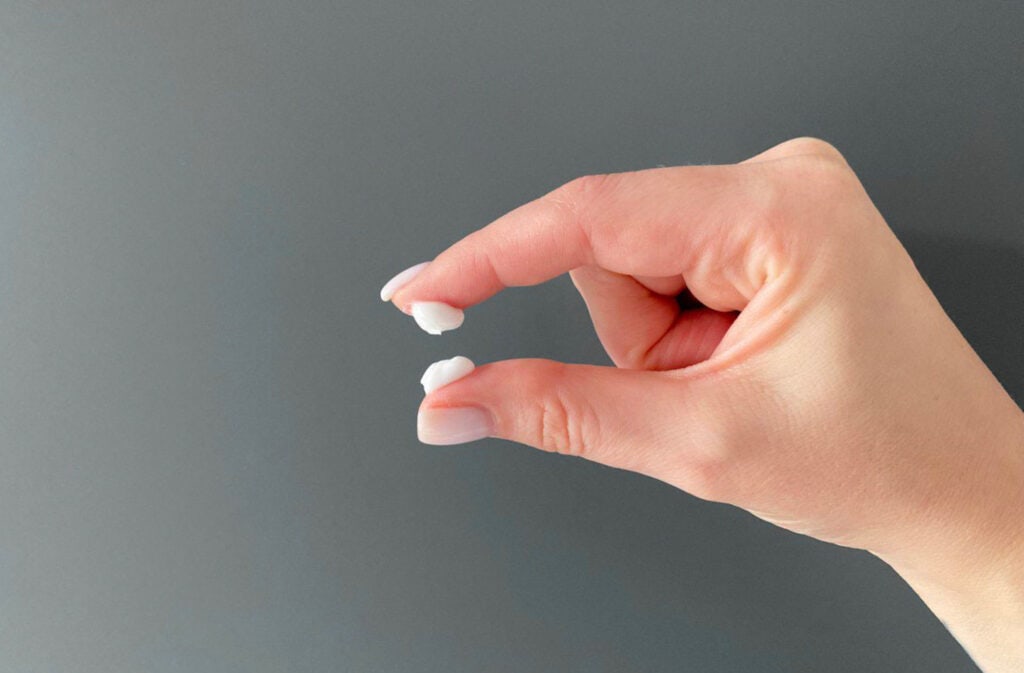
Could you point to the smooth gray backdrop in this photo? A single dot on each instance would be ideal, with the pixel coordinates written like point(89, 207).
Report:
point(208, 458)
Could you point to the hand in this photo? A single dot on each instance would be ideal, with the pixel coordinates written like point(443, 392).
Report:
point(814, 380)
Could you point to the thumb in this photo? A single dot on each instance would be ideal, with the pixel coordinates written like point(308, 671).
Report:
point(645, 421)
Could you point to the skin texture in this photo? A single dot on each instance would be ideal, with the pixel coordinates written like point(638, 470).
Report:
point(775, 349)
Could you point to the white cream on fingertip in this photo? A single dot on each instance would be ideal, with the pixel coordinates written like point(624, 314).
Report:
point(443, 372)
point(435, 317)
point(400, 279)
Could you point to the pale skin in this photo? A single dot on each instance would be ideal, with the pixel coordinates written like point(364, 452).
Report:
point(818, 383)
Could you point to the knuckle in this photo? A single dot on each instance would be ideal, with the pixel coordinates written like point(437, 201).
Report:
point(555, 420)
point(812, 168)
point(809, 145)
point(587, 186)
point(821, 177)
point(724, 447)
point(828, 178)
point(709, 462)
point(574, 195)
point(571, 201)
point(800, 196)
point(828, 192)
point(766, 199)
point(706, 476)
point(767, 214)
point(565, 424)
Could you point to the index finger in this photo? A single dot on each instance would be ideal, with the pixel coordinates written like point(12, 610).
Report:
point(655, 222)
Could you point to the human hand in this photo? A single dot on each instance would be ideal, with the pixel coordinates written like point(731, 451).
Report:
point(818, 384)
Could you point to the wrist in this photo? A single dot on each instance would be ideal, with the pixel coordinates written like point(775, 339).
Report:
point(967, 563)
point(975, 523)
point(979, 598)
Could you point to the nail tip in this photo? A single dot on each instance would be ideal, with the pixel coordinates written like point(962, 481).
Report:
point(447, 426)
point(450, 441)
point(399, 280)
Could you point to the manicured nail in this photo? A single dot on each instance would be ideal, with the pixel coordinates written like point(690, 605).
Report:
point(393, 285)
point(443, 372)
point(435, 317)
point(452, 425)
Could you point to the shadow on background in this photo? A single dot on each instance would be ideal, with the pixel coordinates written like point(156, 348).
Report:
point(980, 285)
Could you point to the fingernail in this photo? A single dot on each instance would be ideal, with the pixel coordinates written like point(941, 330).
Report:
point(393, 285)
point(435, 317)
point(443, 372)
point(452, 425)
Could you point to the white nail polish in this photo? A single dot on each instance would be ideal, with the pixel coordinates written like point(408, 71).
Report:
point(444, 426)
point(443, 372)
point(396, 283)
point(435, 317)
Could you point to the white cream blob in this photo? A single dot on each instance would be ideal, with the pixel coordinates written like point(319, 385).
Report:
point(435, 317)
point(443, 372)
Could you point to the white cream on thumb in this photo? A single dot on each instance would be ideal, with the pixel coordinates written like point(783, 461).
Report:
point(443, 372)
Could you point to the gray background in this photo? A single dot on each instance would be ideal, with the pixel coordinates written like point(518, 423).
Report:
point(208, 457)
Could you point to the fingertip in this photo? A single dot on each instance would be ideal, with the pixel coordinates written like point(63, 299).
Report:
point(401, 279)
